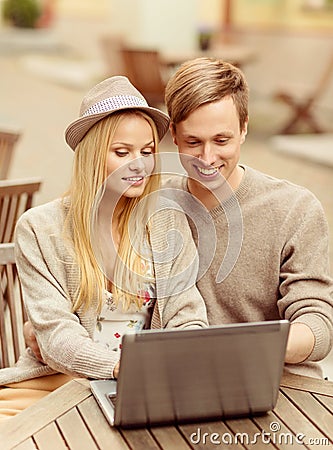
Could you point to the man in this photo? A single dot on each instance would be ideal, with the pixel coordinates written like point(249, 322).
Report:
point(282, 268)
point(270, 259)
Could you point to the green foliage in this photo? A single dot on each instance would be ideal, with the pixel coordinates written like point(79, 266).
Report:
point(21, 13)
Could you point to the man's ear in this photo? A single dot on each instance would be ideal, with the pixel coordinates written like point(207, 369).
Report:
point(173, 132)
point(244, 132)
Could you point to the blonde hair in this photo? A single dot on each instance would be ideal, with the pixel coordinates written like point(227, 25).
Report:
point(85, 194)
point(205, 80)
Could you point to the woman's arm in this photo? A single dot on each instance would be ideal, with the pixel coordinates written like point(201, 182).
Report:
point(176, 263)
point(31, 341)
point(48, 277)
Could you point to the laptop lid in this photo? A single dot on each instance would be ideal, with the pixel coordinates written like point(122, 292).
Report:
point(177, 376)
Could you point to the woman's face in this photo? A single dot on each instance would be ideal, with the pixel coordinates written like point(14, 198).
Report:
point(130, 160)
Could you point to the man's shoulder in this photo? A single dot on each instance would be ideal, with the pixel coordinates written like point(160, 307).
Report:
point(274, 186)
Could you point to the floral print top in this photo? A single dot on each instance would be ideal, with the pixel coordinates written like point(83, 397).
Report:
point(114, 322)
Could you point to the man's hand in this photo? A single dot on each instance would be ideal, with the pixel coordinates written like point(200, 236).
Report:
point(300, 343)
point(31, 341)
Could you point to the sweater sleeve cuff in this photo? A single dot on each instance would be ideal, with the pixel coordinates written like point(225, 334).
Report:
point(321, 333)
point(100, 367)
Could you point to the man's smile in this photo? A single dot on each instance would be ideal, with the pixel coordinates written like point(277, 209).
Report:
point(209, 171)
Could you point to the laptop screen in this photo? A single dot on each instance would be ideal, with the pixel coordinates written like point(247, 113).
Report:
point(197, 374)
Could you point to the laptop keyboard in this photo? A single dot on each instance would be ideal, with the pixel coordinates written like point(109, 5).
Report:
point(113, 399)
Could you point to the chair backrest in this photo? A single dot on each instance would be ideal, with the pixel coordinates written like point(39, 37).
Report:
point(12, 312)
point(16, 196)
point(144, 70)
point(8, 140)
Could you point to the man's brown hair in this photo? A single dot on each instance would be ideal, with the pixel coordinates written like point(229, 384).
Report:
point(205, 80)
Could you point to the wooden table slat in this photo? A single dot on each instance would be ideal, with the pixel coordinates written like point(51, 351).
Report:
point(326, 401)
point(39, 415)
point(75, 433)
point(315, 385)
point(50, 437)
point(313, 409)
point(139, 439)
point(107, 437)
point(296, 421)
point(169, 437)
point(26, 445)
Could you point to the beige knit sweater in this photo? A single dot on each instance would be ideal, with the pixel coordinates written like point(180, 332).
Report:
point(49, 279)
point(282, 269)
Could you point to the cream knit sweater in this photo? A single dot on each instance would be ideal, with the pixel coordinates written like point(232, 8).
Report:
point(49, 278)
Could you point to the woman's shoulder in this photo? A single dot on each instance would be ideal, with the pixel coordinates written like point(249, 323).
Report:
point(40, 230)
point(41, 221)
point(168, 211)
point(45, 213)
point(169, 221)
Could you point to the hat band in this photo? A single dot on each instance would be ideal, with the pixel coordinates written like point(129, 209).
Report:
point(113, 103)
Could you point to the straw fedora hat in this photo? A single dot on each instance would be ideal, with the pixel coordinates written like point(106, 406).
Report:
point(109, 96)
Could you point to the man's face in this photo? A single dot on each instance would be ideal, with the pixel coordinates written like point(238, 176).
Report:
point(209, 141)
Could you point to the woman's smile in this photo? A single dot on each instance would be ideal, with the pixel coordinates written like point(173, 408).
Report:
point(134, 181)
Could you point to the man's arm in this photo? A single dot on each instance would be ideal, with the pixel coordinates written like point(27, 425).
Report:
point(305, 283)
point(300, 343)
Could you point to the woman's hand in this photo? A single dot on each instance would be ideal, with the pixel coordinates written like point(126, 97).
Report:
point(116, 370)
point(31, 341)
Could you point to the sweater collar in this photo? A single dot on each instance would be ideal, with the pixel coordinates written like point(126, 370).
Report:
point(240, 192)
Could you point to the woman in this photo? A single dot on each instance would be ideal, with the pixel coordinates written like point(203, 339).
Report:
point(96, 264)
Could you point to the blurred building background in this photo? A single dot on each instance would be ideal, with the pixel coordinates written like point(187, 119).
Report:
point(45, 71)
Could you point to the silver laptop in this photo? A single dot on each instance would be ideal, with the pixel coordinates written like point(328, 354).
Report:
point(193, 375)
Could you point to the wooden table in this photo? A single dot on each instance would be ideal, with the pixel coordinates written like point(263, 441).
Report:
point(70, 418)
point(236, 54)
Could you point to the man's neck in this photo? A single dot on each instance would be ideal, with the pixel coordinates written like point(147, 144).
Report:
point(211, 199)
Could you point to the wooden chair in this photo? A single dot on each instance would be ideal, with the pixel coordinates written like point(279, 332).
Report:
point(302, 108)
point(144, 70)
point(16, 196)
point(8, 140)
point(12, 312)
